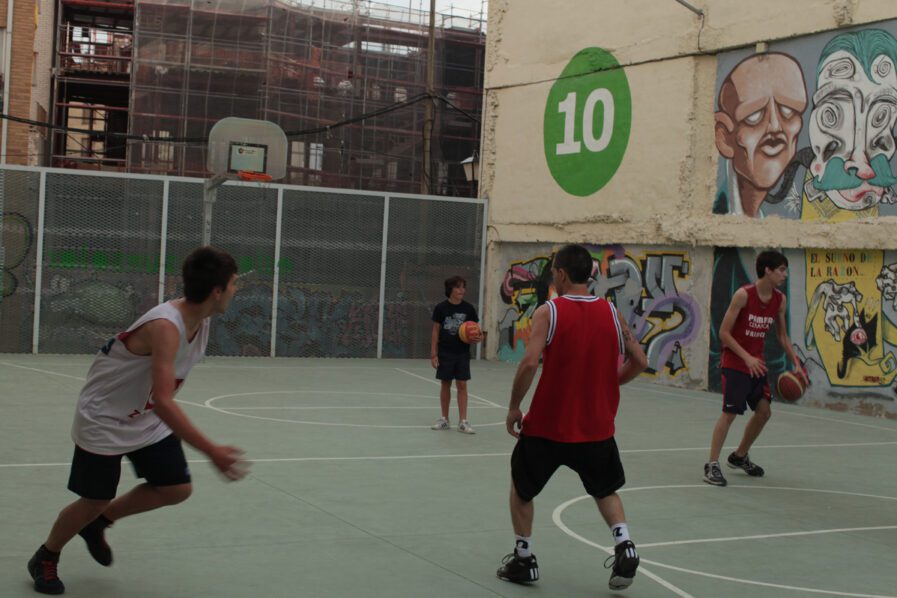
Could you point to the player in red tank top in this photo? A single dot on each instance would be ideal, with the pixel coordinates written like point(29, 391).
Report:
point(753, 309)
point(571, 419)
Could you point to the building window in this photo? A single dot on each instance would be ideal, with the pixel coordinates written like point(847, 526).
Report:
point(297, 154)
point(316, 156)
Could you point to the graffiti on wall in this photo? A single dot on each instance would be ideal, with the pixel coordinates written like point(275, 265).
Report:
point(807, 131)
point(644, 286)
point(847, 331)
point(17, 236)
point(842, 319)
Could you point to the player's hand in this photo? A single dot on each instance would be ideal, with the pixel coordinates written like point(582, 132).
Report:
point(514, 422)
point(802, 373)
point(434, 361)
point(227, 459)
point(476, 338)
point(756, 367)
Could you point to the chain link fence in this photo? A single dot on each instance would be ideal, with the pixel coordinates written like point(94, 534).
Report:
point(325, 273)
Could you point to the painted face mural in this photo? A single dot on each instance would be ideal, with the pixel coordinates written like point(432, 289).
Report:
point(852, 122)
point(761, 104)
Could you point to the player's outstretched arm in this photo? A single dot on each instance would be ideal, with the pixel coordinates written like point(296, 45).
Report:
point(636, 361)
point(526, 371)
point(164, 340)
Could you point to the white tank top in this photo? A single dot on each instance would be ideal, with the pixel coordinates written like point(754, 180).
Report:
point(115, 410)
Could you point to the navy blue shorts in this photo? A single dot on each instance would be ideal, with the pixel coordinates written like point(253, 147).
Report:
point(535, 460)
point(96, 476)
point(740, 389)
point(453, 366)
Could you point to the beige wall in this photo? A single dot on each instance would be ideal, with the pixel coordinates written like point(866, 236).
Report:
point(20, 89)
point(663, 193)
point(665, 185)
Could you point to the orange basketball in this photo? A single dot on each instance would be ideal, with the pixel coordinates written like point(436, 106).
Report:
point(790, 386)
point(469, 331)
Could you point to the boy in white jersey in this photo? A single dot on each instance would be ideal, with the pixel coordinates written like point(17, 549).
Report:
point(127, 408)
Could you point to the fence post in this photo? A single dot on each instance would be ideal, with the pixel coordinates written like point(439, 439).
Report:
point(164, 240)
point(383, 277)
point(39, 265)
point(275, 286)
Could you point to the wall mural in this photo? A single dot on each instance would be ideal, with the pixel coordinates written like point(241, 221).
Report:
point(806, 131)
point(842, 319)
point(642, 283)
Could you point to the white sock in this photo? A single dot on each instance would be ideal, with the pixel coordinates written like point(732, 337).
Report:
point(620, 532)
point(524, 546)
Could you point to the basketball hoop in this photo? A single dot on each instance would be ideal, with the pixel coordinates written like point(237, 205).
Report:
point(255, 177)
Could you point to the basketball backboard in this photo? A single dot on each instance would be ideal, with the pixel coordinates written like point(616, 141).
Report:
point(245, 145)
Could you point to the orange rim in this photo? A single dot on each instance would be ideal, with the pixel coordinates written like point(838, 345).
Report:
point(246, 175)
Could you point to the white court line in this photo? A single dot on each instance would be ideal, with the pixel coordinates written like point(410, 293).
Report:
point(558, 511)
point(472, 396)
point(787, 411)
point(367, 408)
point(764, 536)
point(22, 367)
point(303, 459)
point(400, 457)
point(556, 517)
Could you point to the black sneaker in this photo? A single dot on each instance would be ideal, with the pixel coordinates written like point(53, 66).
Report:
point(713, 474)
point(518, 569)
point(42, 568)
point(749, 467)
point(625, 563)
point(95, 536)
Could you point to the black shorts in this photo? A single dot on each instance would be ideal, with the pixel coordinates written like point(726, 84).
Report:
point(96, 476)
point(741, 389)
point(535, 460)
point(453, 366)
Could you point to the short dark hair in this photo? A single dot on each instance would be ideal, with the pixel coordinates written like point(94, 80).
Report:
point(452, 282)
point(771, 260)
point(576, 261)
point(204, 270)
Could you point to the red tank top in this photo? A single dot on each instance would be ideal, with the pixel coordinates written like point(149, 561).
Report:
point(579, 391)
point(751, 326)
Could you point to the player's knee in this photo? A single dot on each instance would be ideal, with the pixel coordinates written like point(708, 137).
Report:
point(461, 384)
point(173, 495)
point(728, 418)
point(764, 414)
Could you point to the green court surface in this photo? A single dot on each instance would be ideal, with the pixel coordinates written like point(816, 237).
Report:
point(351, 494)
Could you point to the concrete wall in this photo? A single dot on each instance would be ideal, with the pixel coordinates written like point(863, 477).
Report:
point(662, 292)
point(604, 126)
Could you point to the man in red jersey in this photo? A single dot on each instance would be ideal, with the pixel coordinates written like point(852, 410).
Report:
point(580, 338)
point(753, 310)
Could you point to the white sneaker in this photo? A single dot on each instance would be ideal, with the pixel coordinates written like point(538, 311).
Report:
point(465, 428)
point(441, 424)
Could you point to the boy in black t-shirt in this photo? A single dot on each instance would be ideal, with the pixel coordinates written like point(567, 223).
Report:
point(449, 354)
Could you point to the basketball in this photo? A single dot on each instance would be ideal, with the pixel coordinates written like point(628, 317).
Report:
point(790, 386)
point(470, 332)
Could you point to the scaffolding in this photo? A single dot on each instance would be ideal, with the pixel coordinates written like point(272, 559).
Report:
point(299, 63)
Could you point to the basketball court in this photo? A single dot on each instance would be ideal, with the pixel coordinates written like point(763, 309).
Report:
point(350, 492)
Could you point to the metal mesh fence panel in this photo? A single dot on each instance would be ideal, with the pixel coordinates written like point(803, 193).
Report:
point(244, 222)
point(101, 258)
point(428, 241)
point(19, 194)
point(184, 232)
point(101, 261)
point(329, 293)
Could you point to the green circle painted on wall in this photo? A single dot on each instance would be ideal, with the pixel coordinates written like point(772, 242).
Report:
point(588, 117)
